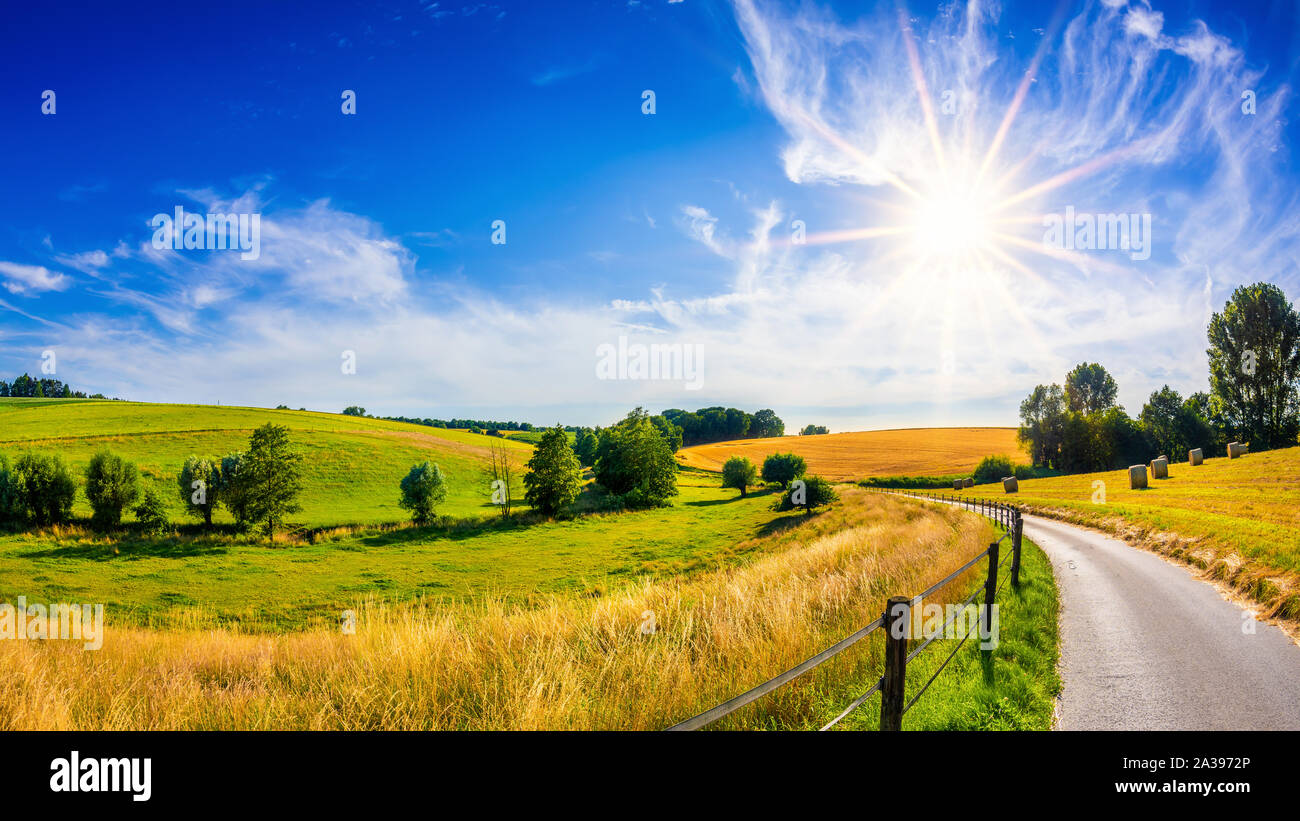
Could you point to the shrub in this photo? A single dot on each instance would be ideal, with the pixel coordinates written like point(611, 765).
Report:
point(739, 473)
point(12, 509)
point(48, 488)
point(554, 476)
point(809, 492)
point(423, 488)
point(1025, 472)
point(199, 482)
point(783, 468)
point(992, 469)
point(151, 513)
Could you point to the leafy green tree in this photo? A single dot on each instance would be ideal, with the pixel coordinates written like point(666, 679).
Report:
point(231, 487)
point(554, 476)
point(584, 446)
point(1042, 422)
point(12, 509)
point(993, 469)
point(1255, 366)
point(270, 478)
point(48, 488)
point(151, 513)
point(809, 492)
point(112, 485)
point(671, 433)
point(814, 430)
point(1089, 388)
point(354, 410)
point(1162, 419)
point(633, 461)
point(423, 489)
point(766, 424)
point(739, 473)
point(783, 468)
point(200, 482)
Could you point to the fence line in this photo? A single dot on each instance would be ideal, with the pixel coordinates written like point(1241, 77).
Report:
point(892, 684)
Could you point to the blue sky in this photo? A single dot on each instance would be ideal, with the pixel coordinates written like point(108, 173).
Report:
point(675, 227)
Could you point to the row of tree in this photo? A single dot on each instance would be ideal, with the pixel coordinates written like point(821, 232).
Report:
point(259, 487)
point(717, 424)
point(788, 470)
point(467, 424)
point(33, 388)
point(1254, 358)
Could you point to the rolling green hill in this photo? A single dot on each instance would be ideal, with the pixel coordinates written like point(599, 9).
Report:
point(353, 464)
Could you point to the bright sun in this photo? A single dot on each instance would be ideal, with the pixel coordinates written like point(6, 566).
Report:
point(951, 228)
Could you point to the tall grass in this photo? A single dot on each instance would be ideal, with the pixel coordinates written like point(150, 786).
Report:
point(563, 663)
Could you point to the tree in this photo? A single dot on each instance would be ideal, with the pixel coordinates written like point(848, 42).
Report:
point(766, 424)
point(112, 485)
point(554, 476)
point(48, 489)
point(1089, 388)
point(423, 489)
point(671, 433)
point(270, 477)
point(1255, 366)
point(1162, 419)
point(809, 492)
point(584, 447)
point(151, 513)
point(993, 469)
point(739, 473)
point(783, 468)
point(12, 509)
point(503, 477)
point(633, 461)
point(814, 430)
point(354, 410)
point(231, 487)
point(199, 482)
point(1042, 419)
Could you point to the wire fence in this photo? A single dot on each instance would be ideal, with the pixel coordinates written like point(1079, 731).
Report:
point(895, 620)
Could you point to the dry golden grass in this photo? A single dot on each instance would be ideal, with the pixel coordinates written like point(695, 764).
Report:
point(571, 663)
point(848, 456)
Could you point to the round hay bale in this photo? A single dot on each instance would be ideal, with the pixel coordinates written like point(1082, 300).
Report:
point(1010, 484)
point(1195, 457)
point(1236, 449)
point(1137, 477)
point(1160, 468)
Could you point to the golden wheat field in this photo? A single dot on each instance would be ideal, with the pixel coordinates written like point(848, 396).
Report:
point(859, 455)
point(571, 663)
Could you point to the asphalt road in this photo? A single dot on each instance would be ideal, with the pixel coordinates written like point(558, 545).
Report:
point(1147, 646)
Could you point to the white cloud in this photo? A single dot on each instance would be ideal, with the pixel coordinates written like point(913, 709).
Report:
point(31, 279)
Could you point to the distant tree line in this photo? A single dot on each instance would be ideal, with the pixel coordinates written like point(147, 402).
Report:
point(1254, 358)
point(717, 424)
point(29, 387)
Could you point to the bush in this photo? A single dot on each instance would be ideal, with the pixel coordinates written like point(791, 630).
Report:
point(423, 488)
point(740, 473)
point(48, 488)
point(12, 509)
point(112, 486)
point(554, 476)
point(814, 490)
point(199, 481)
point(783, 468)
point(992, 469)
point(1025, 472)
point(151, 513)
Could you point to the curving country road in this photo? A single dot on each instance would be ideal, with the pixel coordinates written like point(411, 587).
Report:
point(1147, 646)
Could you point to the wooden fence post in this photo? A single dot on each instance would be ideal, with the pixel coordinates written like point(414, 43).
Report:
point(990, 587)
point(898, 613)
point(1017, 531)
